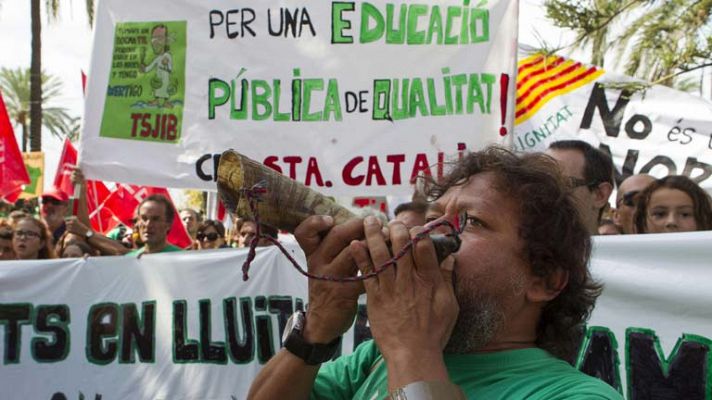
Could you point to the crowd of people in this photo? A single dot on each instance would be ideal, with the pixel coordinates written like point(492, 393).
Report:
point(643, 204)
point(516, 295)
point(52, 233)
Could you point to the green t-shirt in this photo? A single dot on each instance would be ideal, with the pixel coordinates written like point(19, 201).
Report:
point(167, 249)
point(514, 374)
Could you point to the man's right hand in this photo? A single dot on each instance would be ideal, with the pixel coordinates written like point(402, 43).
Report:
point(332, 305)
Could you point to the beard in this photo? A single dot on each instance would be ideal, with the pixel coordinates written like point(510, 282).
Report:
point(481, 315)
point(479, 320)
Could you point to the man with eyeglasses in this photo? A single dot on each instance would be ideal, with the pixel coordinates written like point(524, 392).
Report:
point(53, 208)
point(625, 200)
point(590, 173)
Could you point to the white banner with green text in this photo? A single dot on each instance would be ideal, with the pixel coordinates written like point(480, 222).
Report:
point(349, 97)
point(186, 326)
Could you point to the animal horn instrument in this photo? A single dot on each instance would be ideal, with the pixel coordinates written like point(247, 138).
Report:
point(285, 202)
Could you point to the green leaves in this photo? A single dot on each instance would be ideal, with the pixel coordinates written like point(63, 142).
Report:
point(15, 87)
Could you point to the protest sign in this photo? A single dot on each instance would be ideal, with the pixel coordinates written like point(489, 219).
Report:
point(347, 97)
point(645, 128)
point(34, 163)
point(185, 325)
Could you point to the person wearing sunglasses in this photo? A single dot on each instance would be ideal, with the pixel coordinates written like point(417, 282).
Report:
point(32, 241)
point(625, 200)
point(53, 208)
point(211, 235)
point(590, 174)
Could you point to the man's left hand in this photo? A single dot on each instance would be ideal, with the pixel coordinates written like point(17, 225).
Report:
point(412, 307)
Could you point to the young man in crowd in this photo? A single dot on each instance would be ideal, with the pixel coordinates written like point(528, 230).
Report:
point(411, 213)
point(494, 321)
point(190, 219)
point(590, 175)
point(248, 230)
point(155, 217)
point(625, 200)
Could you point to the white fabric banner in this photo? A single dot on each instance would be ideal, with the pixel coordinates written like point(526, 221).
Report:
point(351, 98)
point(645, 128)
point(185, 325)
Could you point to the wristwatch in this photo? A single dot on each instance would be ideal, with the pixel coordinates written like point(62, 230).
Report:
point(428, 390)
point(311, 353)
point(89, 234)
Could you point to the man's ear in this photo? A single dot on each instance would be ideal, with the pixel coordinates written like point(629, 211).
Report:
point(602, 193)
point(546, 288)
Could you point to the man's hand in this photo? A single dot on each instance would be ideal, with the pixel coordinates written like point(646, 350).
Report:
point(77, 176)
point(332, 305)
point(76, 227)
point(411, 306)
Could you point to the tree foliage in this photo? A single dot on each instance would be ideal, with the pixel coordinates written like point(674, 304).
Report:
point(15, 86)
point(661, 40)
point(668, 40)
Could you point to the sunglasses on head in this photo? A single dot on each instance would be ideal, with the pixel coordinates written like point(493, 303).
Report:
point(51, 200)
point(629, 198)
point(210, 237)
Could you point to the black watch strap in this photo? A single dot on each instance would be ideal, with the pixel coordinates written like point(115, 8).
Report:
point(311, 353)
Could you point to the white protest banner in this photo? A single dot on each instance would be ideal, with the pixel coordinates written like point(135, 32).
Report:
point(351, 98)
point(653, 129)
point(651, 332)
point(185, 325)
point(159, 327)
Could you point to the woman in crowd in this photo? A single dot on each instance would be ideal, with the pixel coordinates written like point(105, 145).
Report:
point(211, 235)
point(32, 241)
point(77, 249)
point(673, 204)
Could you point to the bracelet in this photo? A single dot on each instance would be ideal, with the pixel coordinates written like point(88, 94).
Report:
point(428, 390)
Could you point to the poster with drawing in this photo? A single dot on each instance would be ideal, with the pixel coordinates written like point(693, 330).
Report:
point(350, 98)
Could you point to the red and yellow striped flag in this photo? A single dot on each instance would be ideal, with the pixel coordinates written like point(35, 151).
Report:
point(541, 78)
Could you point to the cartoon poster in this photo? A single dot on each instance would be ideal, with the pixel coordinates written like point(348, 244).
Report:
point(34, 162)
point(349, 98)
point(145, 94)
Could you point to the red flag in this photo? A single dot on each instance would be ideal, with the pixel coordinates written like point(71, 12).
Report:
point(102, 219)
point(13, 173)
point(12, 197)
point(84, 82)
point(67, 161)
point(221, 211)
point(124, 200)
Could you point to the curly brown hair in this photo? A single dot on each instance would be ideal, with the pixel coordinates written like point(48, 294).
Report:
point(700, 199)
point(553, 235)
